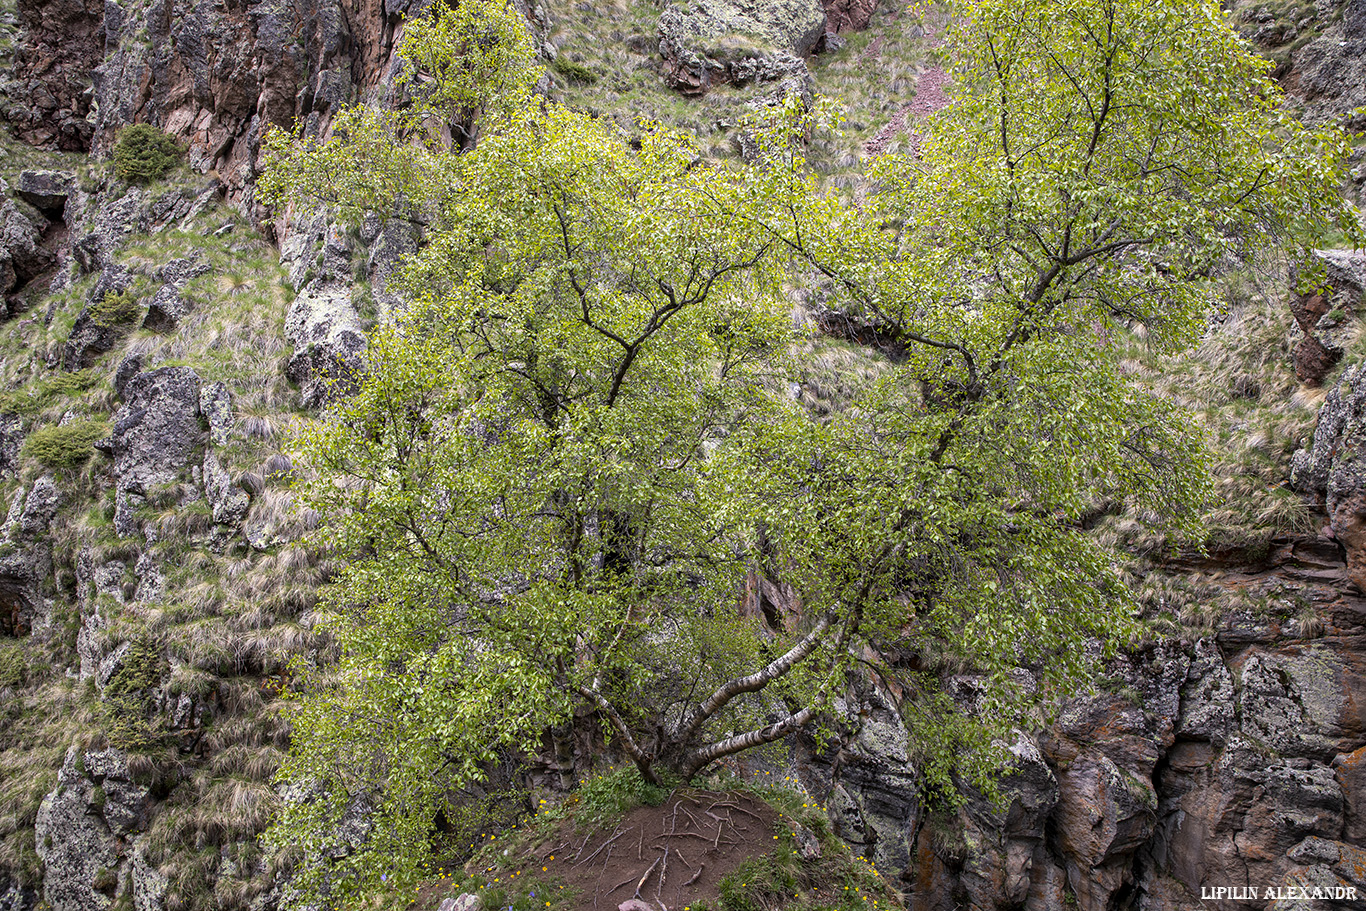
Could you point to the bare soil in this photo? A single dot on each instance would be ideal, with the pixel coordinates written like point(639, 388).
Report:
point(664, 857)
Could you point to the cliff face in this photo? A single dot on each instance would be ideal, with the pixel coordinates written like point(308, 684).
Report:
point(215, 75)
point(157, 349)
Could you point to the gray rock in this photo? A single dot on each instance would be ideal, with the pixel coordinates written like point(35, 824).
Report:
point(1334, 466)
point(215, 403)
point(149, 883)
point(110, 664)
point(74, 842)
point(230, 503)
point(101, 224)
point(466, 901)
point(24, 568)
point(156, 434)
point(128, 368)
point(1295, 703)
point(40, 507)
point(11, 441)
point(46, 190)
point(14, 897)
point(328, 339)
point(394, 241)
point(22, 252)
point(151, 583)
point(94, 333)
point(166, 310)
point(169, 305)
point(1208, 710)
point(179, 272)
point(125, 802)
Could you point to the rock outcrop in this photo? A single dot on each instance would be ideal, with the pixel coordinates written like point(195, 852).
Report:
point(82, 829)
point(156, 435)
point(1333, 467)
point(1323, 312)
point(712, 42)
point(214, 76)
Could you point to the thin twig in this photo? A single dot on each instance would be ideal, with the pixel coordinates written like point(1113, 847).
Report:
point(741, 809)
point(615, 836)
point(696, 876)
point(645, 876)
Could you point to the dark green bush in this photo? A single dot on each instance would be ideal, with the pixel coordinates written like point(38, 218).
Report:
point(115, 309)
point(64, 446)
point(144, 153)
point(574, 72)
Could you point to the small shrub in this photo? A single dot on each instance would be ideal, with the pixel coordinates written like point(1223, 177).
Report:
point(144, 153)
point(574, 72)
point(607, 797)
point(115, 310)
point(64, 446)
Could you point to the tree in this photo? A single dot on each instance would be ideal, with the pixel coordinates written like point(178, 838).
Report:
point(573, 447)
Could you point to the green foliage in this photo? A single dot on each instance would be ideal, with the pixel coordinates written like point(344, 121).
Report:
point(606, 798)
point(64, 445)
point(115, 310)
point(142, 153)
point(572, 70)
point(39, 394)
point(574, 450)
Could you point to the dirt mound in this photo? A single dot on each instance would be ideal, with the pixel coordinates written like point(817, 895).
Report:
point(667, 855)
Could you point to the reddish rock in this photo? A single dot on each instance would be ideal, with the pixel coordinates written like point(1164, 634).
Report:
point(848, 15)
point(64, 39)
point(1313, 360)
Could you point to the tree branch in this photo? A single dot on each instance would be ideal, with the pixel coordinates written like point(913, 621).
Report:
point(756, 681)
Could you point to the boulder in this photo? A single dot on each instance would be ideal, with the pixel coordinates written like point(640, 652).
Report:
point(23, 255)
point(215, 403)
point(1208, 710)
point(1305, 702)
point(168, 305)
point(101, 221)
point(99, 328)
point(11, 441)
point(229, 502)
point(156, 436)
point(45, 190)
point(149, 883)
point(74, 842)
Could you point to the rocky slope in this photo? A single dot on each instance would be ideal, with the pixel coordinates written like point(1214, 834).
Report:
point(160, 342)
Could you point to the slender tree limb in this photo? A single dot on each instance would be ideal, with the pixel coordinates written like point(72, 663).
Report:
point(756, 681)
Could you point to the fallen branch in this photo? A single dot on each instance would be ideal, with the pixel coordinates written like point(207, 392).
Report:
point(740, 808)
point(645, 876)
point(614, 837)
